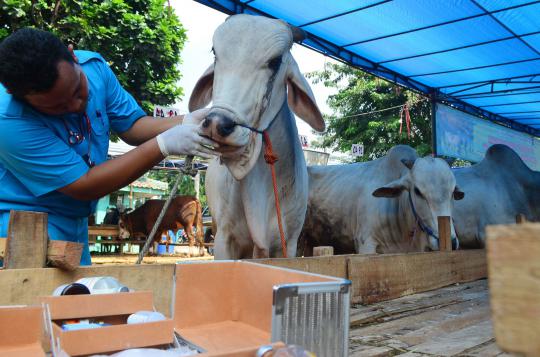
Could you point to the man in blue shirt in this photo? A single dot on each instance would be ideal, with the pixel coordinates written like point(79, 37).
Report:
point(57, 107)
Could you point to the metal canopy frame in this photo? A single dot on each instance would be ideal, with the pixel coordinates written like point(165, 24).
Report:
point(446, 94)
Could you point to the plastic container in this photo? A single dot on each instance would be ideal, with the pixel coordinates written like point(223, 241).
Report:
point(103, 285)
point(162, 249)
point(145, 316)
point(71, 289)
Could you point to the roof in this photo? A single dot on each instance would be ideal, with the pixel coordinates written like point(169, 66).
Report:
point(482, 56)
point(145, 182)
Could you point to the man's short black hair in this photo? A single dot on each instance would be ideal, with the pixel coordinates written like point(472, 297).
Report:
point(29, 60)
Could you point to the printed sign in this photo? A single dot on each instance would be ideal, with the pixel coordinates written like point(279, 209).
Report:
point(303, 141)
point(464, 136)
point(165, 112)
point(357, 150)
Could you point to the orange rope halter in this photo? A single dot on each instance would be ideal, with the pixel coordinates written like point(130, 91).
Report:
point(271, 158)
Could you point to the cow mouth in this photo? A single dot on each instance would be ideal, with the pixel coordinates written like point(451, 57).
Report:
point(229, 149)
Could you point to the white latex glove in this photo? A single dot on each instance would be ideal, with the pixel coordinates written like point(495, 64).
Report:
point(184, 139)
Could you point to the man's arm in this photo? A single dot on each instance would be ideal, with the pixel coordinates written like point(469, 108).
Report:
point(115, 174)
point(147, 128)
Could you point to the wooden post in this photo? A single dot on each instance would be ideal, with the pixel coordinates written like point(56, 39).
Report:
point(26, 245)
point(323, 250)
point(64, 255)
point(514, 286)
point(3, 241)
point(520, 218)
point(445, 241)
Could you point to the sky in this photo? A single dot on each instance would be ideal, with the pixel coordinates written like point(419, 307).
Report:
point(200, 22)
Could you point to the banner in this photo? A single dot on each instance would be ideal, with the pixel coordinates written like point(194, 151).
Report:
point(467, 137)
point(165, 112)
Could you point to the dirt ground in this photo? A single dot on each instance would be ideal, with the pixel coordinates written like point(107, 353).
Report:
point(132, 258)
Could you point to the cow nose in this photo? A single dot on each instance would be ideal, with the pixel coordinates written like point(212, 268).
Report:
point(225, 126)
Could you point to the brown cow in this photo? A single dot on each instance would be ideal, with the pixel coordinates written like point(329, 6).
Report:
point(183, 212)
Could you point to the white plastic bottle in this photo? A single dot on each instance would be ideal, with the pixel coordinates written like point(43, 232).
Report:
point(103, 285)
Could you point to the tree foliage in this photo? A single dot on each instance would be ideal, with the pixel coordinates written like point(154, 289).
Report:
point(359, 92)
point(141, 39)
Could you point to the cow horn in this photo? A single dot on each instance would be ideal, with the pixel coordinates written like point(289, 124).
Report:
point(299, 35)
point(408, 163)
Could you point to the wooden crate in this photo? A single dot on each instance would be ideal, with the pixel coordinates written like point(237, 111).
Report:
point(514, 279)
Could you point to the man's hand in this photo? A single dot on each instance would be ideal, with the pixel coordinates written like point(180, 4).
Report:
point(185, 139)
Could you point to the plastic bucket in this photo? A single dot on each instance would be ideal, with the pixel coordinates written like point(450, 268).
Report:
point(162, 249)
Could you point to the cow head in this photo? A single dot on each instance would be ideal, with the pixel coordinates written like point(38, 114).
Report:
point(431, 186)
point(124, 226)
point(252, 75)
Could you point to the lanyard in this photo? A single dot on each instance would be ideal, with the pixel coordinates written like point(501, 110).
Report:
point(75, 138)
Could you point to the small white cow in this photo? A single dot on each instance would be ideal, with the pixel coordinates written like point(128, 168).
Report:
point(387, 205)
point(252, 83)
point(498, 188)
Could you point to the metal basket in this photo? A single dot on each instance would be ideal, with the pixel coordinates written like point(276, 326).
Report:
point(313, 315)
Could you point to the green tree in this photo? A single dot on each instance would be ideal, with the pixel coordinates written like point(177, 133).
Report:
point(141, 39)
point(359, 92)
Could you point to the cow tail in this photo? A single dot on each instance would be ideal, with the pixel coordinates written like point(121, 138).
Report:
point(198, 223)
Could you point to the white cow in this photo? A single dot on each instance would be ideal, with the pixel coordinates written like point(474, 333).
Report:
point(384, 206)
point(252, 83)
point(498, 188)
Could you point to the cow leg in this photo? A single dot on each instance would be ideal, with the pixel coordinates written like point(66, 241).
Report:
point(191, 240)
point(260, 253)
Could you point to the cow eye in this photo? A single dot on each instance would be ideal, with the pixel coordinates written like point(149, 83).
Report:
point(274, 63)
point(417, 191)
point(214, 52)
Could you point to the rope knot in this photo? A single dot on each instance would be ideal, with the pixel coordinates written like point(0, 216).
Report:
point(269, 156)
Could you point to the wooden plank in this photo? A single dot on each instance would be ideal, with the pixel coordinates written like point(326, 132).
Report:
point(362, 315)
point(445, 239)
point(436, 331)
point(64, 255)
point(384, 277)
point(514, 280)
point(25, 285)
point(328, 265)
point(104, 230)
point(322, 251)
point(26, 246)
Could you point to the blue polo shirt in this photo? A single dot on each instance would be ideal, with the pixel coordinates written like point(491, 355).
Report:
point(36, 157)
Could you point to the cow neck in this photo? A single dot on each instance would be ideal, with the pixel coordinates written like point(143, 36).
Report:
point(408, 220)
point(136, 225)
point(284, 136)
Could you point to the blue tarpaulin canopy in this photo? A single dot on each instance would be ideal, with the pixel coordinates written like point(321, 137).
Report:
point(482, 56)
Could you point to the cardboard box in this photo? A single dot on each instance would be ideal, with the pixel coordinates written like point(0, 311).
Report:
point(231, 308)
point(109, 308)
point(21, 331)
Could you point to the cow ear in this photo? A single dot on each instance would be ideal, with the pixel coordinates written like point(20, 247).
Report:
point(301, 99)
point(202, 93)
point(393, 189)
point(458, 194)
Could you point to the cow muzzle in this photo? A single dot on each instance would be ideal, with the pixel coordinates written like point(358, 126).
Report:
point(222, 126)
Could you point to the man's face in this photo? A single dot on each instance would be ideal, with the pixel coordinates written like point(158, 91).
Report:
point(69, 93)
